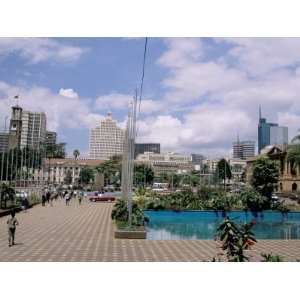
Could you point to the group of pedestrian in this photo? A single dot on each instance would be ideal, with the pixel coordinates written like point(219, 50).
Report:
point(68, 195)
point(47, 197)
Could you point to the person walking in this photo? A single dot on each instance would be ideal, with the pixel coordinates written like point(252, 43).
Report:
point(43, 199)
point(48, 196)
point(67, 198)
point(80, 196)
point(12, 222)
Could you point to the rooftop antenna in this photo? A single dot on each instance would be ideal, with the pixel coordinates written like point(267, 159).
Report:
point(17, 99)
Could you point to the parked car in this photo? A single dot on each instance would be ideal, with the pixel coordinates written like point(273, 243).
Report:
point(294, 197)
point(275, 198)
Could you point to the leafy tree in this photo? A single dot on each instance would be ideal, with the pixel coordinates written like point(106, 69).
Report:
point(253, 200)
point(265, 176)
point(86, 175)
point(55, 151)
point(143, 175)
point(223, 170)
point(111, 170)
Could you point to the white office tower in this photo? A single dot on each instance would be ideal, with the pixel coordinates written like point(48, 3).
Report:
point(106, 140)
point(33, 129)
point(279, 135)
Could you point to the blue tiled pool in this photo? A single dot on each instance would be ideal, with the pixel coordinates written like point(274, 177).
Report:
point(195, 225)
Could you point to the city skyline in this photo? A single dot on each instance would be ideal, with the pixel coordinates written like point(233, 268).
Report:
point(197, 91)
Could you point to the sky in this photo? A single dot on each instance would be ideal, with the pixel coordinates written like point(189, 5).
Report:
point(199, 93)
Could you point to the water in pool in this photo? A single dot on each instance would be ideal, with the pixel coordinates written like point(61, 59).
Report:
point(194, 225)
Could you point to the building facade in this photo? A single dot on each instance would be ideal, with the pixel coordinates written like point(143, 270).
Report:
point(106, 140)
point(141, 148)
point(279, 135)
point(289, 175)
point(50, 138)
point(166, 162)
point(33, 129)
point(243, 149)
point(197, 159)
point(57, 169)
point(238, 169)
point(4, 138)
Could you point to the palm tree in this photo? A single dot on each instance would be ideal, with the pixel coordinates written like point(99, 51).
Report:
point(76, 153)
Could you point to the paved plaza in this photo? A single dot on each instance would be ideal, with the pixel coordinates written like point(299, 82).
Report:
point(85, 233)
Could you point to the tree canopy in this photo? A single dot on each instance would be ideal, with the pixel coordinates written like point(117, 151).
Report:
point(265, 176)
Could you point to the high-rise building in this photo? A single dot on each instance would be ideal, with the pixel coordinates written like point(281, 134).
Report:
point(197, 159)
point(279, 135)
point(106, 140)
point(4, 136)
point(243, 149)
point(33, 129)
point(50, 138)
point(264, 132)
point(141, 148)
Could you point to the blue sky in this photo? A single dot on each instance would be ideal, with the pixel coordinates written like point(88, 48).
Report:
point(198, 93)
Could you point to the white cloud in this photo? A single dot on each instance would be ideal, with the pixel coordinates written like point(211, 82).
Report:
point(69, 93)
point(36, 50)
point(62, 111)
point(259, 56)
point(120, 102)
point(219, 96)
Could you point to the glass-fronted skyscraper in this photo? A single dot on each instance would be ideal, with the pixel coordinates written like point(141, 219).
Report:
point(279, 135)
point(141, 148)
point(264, 133)
point(270, 133)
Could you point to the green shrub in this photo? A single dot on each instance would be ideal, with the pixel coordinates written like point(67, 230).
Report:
point(120, 213)
point(34, 198)
point(253, 200)
point(269, 257)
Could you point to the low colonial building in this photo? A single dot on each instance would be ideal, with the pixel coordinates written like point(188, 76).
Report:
point(289, 177)
point(166, 162)
point(57, 169)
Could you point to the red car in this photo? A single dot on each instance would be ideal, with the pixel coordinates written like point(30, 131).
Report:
point(102, 198)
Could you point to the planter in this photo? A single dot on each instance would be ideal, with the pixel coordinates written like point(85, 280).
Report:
point(135, 233)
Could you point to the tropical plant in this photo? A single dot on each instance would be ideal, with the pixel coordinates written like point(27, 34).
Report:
point(120, 213)
point(269, 257)
point(7, 194)
point(76, 153)
point(223, 171)
point(235, 239)
point(265, 176)
point(253, 200)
